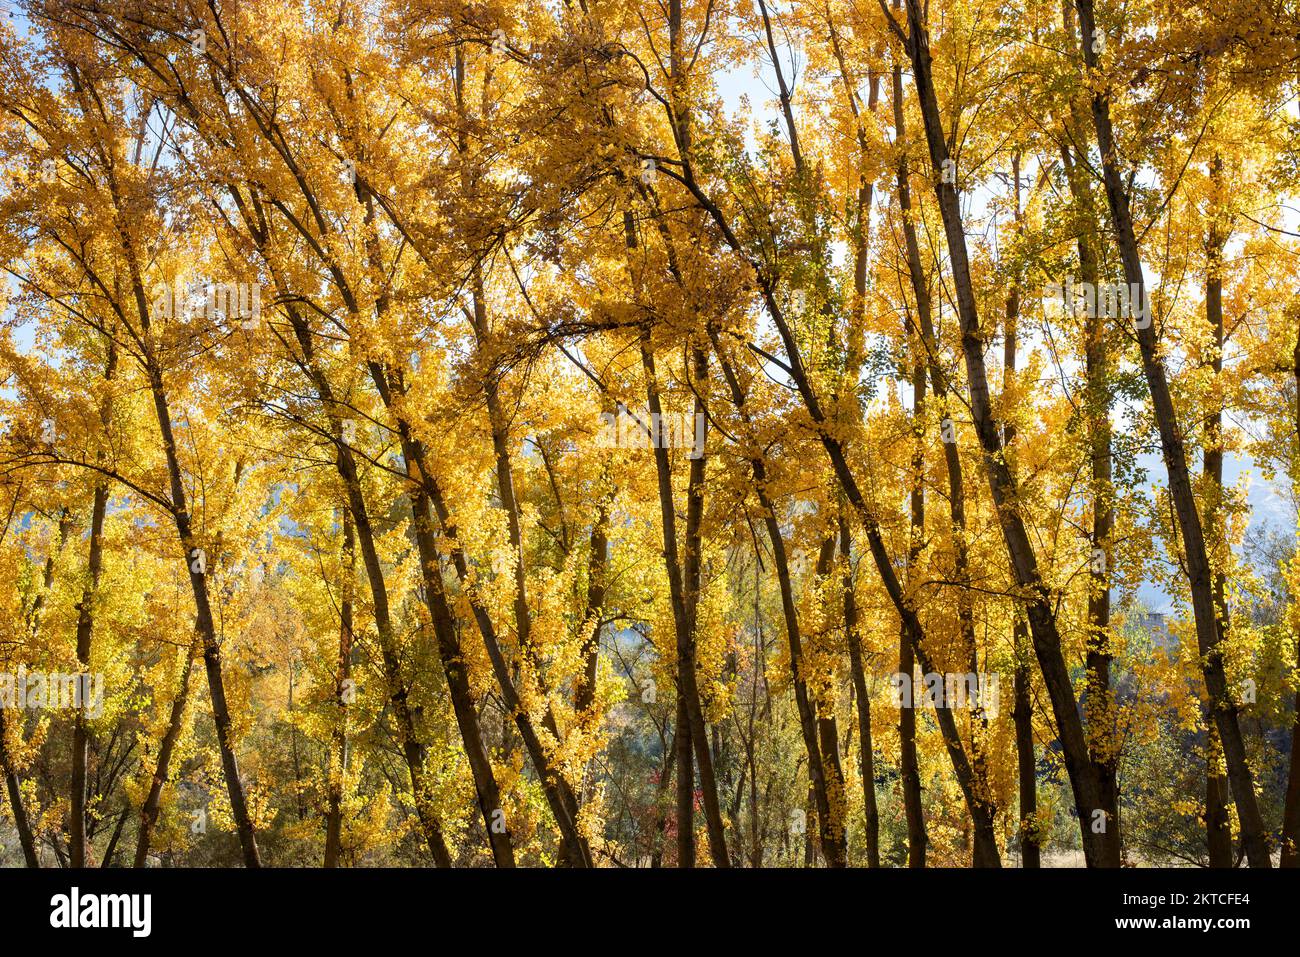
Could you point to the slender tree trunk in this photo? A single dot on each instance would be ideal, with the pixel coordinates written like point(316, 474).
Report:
point(162, 768)
point(110, 852)
point(564, 803)
point(909, 765)
point(1291, 807)
point(831, 831)
point(444, 627)
point(338, 757)
point(844, 475)
point(21, 822)
point(834, 832)
point(207, 632)
point(193, 556)
point(683, 583)
point(398, 693)
point(1218, 829)
point(927, 357)
point(77, 841)
point(555, 788)
point(1022, 713)
point(1026, 761)
point(1223, 706)
point(1100, 711)
point(584, 694)
point(862, 698)
point(1002, 484)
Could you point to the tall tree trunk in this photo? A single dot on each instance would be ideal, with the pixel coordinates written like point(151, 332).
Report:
point(78, 844)
point(206, 629)
point(1002, 484)
point(835, 451)
point(560, 795)
point(21, 822)
point(909, 766)
point(834, 833)
point(1022, 709)
point(162, 768)
point(584, 694)
point(398, 692)
point(338, 756)
point(926, 347)
point(862, 698)
point(1223, 706)
point(831, 830)
point(195, 562)
point(683, 584)
point(1026, 762)
point(1218, 830)
point(1100, 711)
point(1291, 807)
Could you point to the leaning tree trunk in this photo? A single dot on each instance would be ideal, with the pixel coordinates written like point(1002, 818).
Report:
point(685, 567)
point(911, 623)
point(862, 698)
point(1222, 704)
point(909, 766)
point(1022, 714)
point(1218, 829)
point(162, 768)
point(926, 346)
point(1291, 808)
point(338, 756)
point(21, 822)
point(1040, 607)
point(1100, 710)
point(77, 842)
point(830, 832)
point(194, 555)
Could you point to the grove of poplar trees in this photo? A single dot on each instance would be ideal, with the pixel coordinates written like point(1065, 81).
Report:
point(615, 433)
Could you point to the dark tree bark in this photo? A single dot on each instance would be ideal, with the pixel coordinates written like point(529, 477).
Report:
point(1218, 830)
point(597, 569)
point(831, 832)
point(162, 768)
point(683, 585)
point(1022, 709)
point(834, 448)
point(195, 562)
point(338, 756)
point(1100, 710)
point(862, 699)
point(77, 842)
point(1291, 806)
point(21, 822)
point(1040, 605)
point(908, 764)
point(1223, 706)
